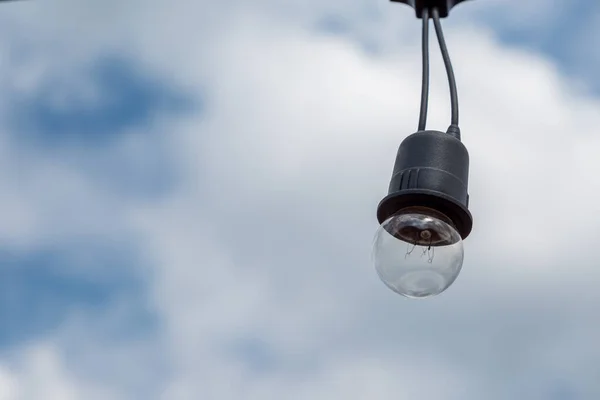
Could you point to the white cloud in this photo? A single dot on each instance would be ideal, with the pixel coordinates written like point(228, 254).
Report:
point(269, 236)
point(8, 386)
point(300, 146)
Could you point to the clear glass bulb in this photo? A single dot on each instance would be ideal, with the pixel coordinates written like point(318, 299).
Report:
point(417, 253)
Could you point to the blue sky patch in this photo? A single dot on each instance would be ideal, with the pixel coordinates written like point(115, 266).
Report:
point(39, 289)
point(124, 96)
point(60, 122)
point(565, 36)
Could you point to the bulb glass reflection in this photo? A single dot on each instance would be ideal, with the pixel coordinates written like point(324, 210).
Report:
point(417, 253)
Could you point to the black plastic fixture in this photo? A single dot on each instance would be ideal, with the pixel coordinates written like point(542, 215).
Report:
point(443, 6)
point(427, 201)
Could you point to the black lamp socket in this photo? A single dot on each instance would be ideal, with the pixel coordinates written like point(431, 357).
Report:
point(432, 171)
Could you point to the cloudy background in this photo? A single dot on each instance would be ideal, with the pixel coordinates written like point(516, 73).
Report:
point(188, 194)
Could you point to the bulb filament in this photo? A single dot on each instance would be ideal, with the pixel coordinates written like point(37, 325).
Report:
point(429, 250)
point(410, 249)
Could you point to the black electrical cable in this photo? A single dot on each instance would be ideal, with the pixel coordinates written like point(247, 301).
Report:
point(425, 76)
point(451, 80)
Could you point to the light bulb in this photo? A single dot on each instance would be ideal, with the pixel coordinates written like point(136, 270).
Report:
point(417, 252)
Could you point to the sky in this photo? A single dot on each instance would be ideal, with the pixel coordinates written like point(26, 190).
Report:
point(188, 193)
